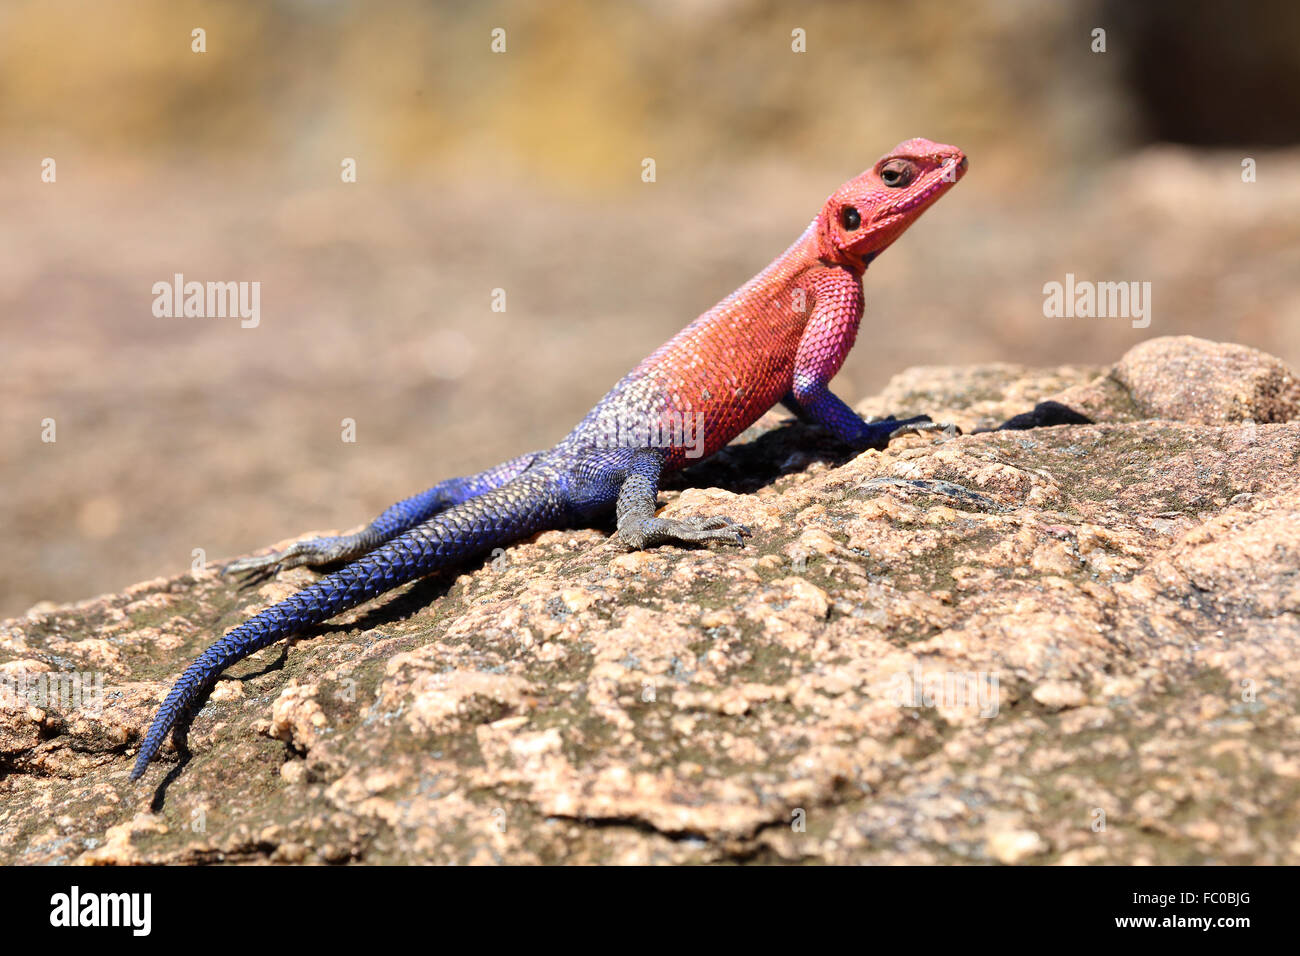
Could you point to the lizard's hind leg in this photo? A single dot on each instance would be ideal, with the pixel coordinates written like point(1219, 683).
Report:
point(404, 515)
point(639, 528)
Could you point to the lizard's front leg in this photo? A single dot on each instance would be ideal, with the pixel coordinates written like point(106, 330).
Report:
point(821, 406)
point(637, 525)
point(826, 340)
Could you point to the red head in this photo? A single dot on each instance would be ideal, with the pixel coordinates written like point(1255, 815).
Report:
point(866, 214)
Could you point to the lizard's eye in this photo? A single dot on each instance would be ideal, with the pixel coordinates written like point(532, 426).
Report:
point(850, 218)
point(896, 173)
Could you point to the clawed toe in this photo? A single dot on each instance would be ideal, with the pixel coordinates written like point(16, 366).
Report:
point(254, 570)
point(715, 528)
point(261, 567)
point(916, 427)
point(648, 533)
point(255, 563)
point(316, 551)
point(712, 522)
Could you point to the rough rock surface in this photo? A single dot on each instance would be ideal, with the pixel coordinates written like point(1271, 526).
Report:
point(1071, 645)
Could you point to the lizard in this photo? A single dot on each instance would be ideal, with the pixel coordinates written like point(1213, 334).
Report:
point(779, 338)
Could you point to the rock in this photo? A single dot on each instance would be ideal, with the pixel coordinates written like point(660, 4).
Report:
point(1059, 695)
point(296, 716)
point(1191, 380)
point(1065, 645)
point(1182, 378)
point(1015, 846)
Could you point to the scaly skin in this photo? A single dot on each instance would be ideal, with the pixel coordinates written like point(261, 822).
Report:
point(779, 338)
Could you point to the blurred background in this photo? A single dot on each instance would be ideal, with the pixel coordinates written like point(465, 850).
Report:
point(521, 170)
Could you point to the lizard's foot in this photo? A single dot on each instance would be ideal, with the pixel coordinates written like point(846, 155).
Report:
point(315, 551)
point(649, 532)
point(881, 431)
point(922, 423)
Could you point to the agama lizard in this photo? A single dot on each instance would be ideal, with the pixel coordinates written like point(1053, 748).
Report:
point(781, 337)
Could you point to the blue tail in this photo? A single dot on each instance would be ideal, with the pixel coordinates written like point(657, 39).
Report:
point(528, 504)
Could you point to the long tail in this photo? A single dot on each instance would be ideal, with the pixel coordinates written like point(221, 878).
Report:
point(528, 504)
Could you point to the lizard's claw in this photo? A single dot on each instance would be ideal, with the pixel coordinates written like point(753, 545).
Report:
point(694, 530)
point(877, 433)
point(701, 530)
point(922, 423)
point(719, 528)
point(255, 569)
point(314, 551)
point(254, 563)
point(710, 528)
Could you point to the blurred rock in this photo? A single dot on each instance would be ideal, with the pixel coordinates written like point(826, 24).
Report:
point(1183, 378)
point(1191, 380)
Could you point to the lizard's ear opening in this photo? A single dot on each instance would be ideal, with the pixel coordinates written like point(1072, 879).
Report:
point(842, 222)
